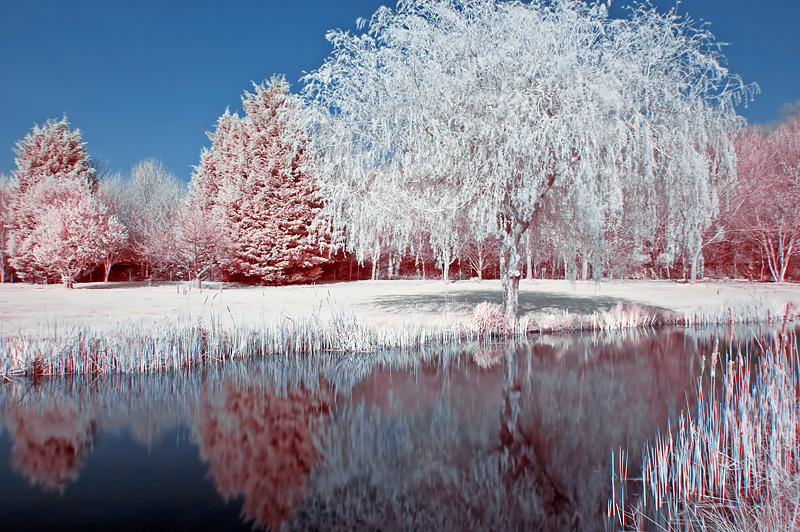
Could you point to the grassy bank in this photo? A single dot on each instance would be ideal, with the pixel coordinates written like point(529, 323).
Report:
point(185, 342)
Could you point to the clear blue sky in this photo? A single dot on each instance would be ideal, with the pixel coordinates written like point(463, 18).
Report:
point(149, 78)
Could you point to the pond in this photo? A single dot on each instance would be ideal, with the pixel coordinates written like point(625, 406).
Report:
point(471, 437)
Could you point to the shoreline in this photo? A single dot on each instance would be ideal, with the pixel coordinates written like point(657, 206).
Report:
point(173, 327)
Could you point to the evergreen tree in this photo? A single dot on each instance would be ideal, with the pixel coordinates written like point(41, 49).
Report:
point(58, 225)
point(254, 179)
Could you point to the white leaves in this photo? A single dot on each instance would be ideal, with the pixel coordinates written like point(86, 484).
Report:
point(445, 110)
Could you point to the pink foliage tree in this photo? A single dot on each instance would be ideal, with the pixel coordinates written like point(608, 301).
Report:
point(59, 225)
point(48, 155)
point(255, 177)
point(75, 231)
point(5, 223)
point(765, 206)
point(200, 243)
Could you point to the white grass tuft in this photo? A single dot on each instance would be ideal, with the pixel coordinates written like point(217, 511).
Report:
point(488, 318)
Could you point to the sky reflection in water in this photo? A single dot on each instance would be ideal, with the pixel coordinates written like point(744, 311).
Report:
point(470, 438)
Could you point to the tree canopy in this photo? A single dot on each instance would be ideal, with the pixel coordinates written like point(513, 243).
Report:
point(450, 112)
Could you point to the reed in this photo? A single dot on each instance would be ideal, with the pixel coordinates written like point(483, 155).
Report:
point(137, 346)
point(735, 463)
point(741, 312)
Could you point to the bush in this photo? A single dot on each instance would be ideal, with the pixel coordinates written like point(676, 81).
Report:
point(488, 318)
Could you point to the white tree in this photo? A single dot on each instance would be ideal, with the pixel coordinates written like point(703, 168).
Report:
point(113, 194)
point(200, 242)
point(485, 107)
point(151, 211)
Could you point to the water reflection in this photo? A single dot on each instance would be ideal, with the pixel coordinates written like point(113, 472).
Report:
point(260, 444)
point(49, 443)
point(492, 437)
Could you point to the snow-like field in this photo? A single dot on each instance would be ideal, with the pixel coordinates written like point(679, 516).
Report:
point(36, 308)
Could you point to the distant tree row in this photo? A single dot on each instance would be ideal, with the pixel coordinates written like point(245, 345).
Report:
point(58, 219)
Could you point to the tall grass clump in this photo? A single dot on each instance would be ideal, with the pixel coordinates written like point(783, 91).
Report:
point(488, 318)
point(735, 463)
point(745, 312)
point(139, 347)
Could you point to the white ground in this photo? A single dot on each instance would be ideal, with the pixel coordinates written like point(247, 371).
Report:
point(36, 308)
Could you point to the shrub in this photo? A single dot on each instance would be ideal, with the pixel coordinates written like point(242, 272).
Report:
point(488, 318)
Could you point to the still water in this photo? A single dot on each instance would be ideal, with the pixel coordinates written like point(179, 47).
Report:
point(499, 437)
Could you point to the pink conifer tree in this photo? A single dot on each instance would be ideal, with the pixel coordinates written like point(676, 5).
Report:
point(59, 226)
point(48, 155)
point(255, 178)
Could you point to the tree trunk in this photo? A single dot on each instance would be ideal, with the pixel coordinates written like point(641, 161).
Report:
point(376, 258)
point(584, 268)
point(510, 273)
point(528, 259)
point(695, 253)
point(350, 278)
point(785, 254)
point(772, 260)
point(481, 261)
point(107, 264)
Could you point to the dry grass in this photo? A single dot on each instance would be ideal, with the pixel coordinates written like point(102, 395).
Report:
point(735, 464)
point(488, 318)
point(136, 347)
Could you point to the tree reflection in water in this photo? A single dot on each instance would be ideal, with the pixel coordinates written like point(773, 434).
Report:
point(530, 447)
point(49, 443)
point(259, 443)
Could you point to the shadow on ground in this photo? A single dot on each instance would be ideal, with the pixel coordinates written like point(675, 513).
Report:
point(123, 284)
point(465, 301)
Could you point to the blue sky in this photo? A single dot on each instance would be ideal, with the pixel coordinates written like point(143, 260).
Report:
point(149, 78)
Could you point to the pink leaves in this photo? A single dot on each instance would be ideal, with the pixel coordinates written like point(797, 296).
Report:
point(59, 225)
point(765, 206)
point(252, 181)
point(74, 232)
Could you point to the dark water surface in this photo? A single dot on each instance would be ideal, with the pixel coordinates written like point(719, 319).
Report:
point(500, 437)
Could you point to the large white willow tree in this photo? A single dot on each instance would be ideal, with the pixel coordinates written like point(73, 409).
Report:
point(462, 111)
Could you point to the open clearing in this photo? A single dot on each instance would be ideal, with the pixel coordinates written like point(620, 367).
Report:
point(37, 308)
